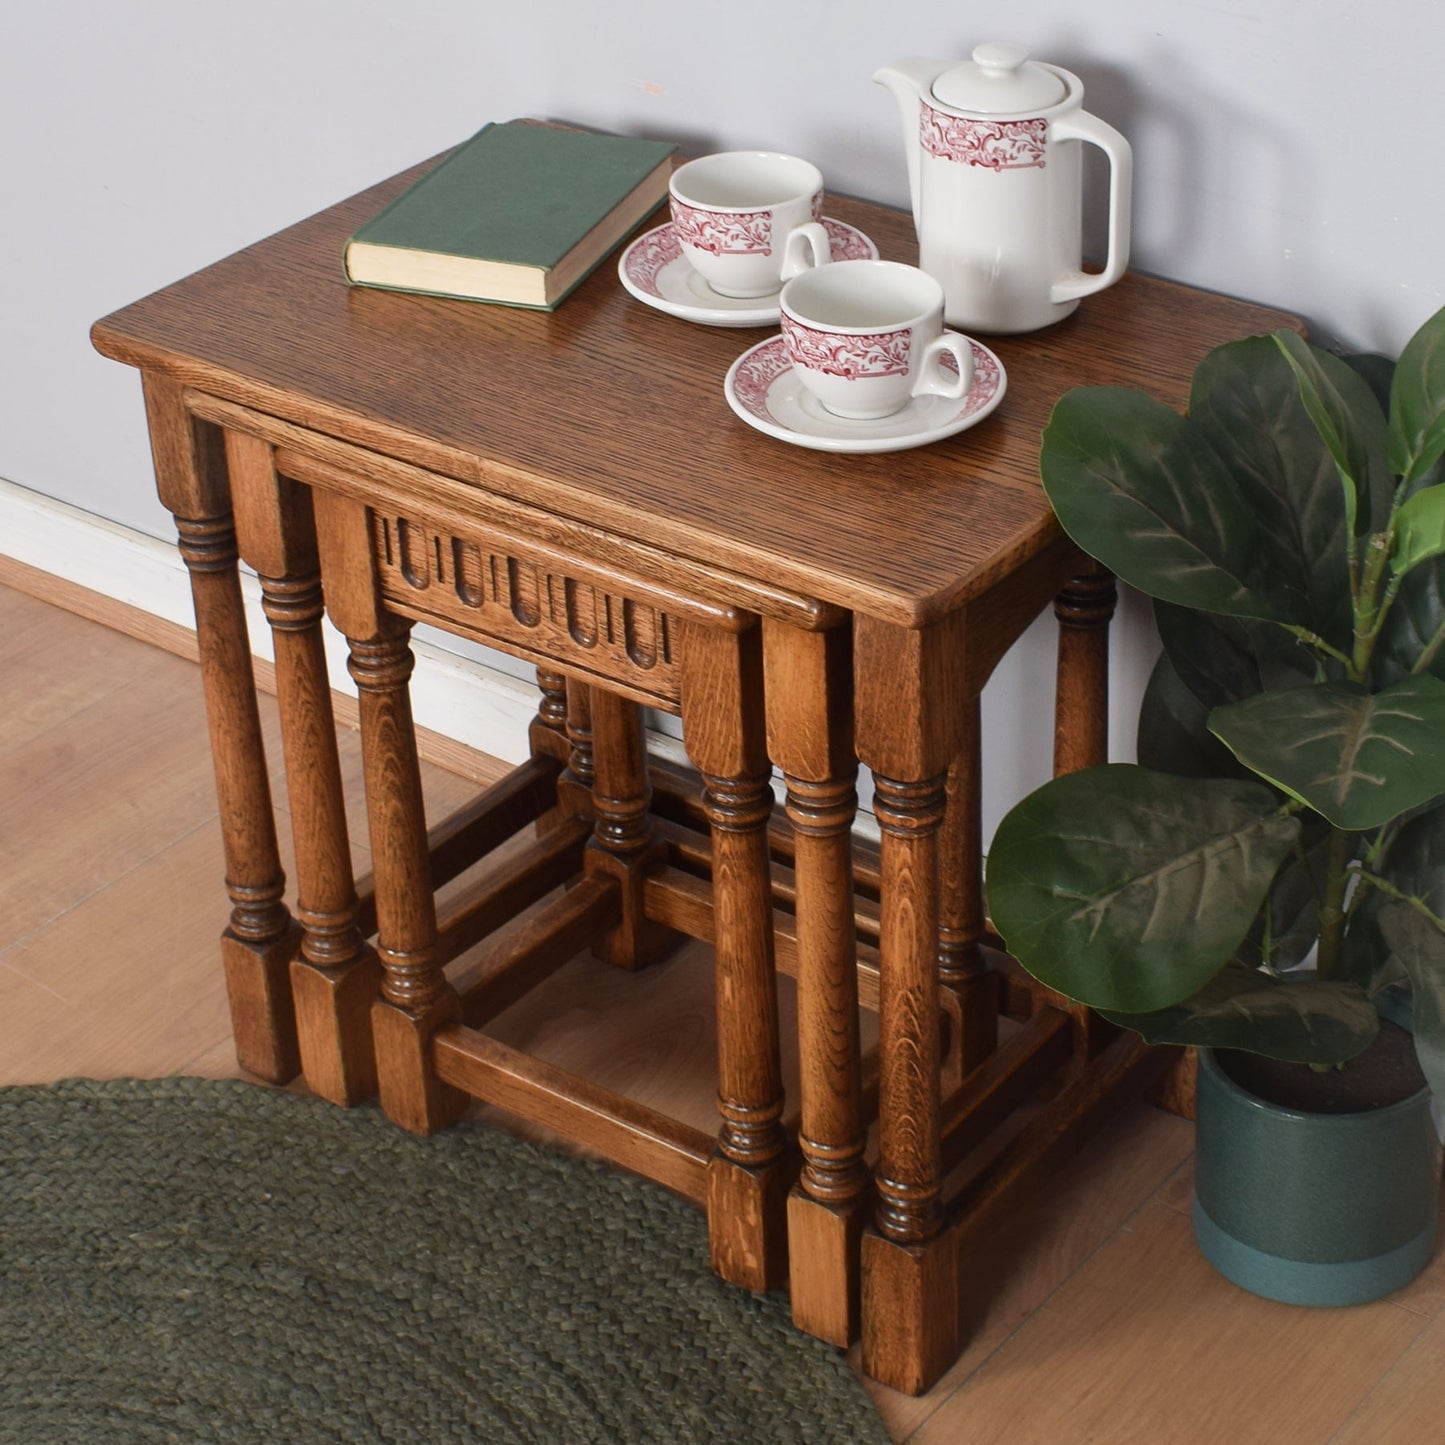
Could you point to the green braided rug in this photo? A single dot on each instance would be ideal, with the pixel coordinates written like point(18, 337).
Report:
point(184, 1260)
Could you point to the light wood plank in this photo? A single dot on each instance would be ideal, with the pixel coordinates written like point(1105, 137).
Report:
point(128, 982)
point(1090, 1200)
point(1147, 1342)
point(52, 665)
point(102, 790)
point(1408, 1405)
point(1102, 1323)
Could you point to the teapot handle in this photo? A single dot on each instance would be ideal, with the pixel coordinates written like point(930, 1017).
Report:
point(1089, 128)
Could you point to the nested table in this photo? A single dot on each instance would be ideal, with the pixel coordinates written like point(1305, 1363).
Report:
point(572, 488)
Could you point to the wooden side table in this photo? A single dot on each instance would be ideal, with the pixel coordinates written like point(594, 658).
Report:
point(572, 488)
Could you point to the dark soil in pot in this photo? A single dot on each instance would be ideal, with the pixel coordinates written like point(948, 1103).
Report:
point(1384, 1074)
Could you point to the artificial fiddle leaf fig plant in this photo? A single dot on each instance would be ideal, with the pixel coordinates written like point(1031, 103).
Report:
point(1288, 797)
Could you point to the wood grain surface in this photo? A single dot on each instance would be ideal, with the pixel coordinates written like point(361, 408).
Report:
point(612, 414)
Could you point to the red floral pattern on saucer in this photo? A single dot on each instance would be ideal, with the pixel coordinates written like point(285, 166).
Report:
point(761, 366)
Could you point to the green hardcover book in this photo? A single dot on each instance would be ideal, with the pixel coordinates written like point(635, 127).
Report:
point(518, 214)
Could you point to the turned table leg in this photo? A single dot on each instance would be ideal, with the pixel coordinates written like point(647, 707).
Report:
point(909, 733)
point(751, 1170)
point(608, 751)
point(335, 976)
point(1083, 609)
point(415, 999)
point(961, 965)
point(258, 944)
point(547, 734)
point(809, 690)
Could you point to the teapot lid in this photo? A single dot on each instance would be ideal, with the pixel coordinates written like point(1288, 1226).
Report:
point(999, 80)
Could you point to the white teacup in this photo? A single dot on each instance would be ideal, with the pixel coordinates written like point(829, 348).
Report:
point(748, 220)
point(866, 337)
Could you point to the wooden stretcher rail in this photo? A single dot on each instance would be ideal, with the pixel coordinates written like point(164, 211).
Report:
point(626, 1132)
point(543, 864)
point(467, 835)
point(512, 966)
point(1022, 1065)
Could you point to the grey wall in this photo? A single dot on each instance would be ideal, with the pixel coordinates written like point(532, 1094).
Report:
point(1287, 151)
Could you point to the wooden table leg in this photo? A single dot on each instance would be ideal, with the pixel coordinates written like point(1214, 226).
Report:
point(907, 709)
point(809, 693)
point(547, 734)
point(961, 965)
point(608, 749)
point(1083, 609)
point(258, 944)
point(750, 1173)
point(416, 999)
point(334, 979)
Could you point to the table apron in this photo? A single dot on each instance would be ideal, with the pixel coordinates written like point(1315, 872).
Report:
point(588, 553)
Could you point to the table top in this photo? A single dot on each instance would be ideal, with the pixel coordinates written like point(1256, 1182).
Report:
point(612, 415)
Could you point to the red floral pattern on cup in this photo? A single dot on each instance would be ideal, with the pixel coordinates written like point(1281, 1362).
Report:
point(660, 247)
point(877, 353)
point(995, 145)
point(729, 233)
point(723, 233)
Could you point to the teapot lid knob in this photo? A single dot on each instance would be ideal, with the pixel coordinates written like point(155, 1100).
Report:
point(998, 59)
point(999, 80)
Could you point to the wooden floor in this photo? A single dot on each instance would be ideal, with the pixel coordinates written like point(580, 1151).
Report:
point(1100, 1322)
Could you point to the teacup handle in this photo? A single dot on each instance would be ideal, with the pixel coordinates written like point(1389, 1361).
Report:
point(806, 247)
point(933, 379)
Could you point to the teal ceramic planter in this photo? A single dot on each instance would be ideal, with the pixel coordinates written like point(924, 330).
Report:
point(1313, 1209)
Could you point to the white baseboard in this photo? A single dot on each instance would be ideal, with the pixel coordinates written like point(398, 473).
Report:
point(456, 697)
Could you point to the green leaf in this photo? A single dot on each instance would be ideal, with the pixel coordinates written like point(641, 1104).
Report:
point(1420, 946)
point(1302, 1021)
point(1139, 488)
point(1347, 417)
point(1174, 734)
point(1377, 372)
point(1129, 889)
point(1246, 402)
point(1360, 758)
point(1411, 623)
point(1419, 530)
point(1293, 902)
point(1413, 864)
point(1417, 402)
point(1224, 659)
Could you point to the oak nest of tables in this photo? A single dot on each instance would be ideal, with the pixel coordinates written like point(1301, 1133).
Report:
point(571, 488)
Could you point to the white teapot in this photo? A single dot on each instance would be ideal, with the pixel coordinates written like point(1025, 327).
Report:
point(995, 168)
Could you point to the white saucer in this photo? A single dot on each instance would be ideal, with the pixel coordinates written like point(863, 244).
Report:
point(655, 271)
point(763, 389)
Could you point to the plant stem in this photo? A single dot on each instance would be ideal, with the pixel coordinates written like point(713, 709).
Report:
point(1332, 905)
point(1390, 891)
point(1314, 640)
point(1369, 609)
point(1422, 663)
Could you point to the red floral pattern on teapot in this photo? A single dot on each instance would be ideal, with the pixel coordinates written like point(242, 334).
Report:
point(996, 145)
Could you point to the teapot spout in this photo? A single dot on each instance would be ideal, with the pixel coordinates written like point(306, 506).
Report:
point(910, 80)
